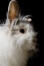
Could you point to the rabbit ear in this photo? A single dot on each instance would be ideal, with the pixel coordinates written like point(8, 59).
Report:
point(13, 10)
point(27, 18)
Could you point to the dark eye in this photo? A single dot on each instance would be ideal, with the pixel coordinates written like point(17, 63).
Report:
point(22, 31)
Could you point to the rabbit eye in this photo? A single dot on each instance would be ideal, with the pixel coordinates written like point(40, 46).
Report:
point(22, 30)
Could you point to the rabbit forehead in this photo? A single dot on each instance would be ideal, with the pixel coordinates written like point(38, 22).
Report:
point(24, 25)
point(18, 23)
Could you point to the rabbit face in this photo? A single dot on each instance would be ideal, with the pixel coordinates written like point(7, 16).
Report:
point(23, 33)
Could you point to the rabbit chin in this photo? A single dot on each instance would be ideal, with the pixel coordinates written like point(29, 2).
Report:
point(14, 49)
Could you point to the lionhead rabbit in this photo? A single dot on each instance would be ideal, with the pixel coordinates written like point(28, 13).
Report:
point(16, 38)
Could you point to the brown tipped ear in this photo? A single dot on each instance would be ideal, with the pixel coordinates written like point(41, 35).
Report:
point(27, 18)
point(13, 10)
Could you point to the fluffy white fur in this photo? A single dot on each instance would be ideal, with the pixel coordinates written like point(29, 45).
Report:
point(16, 47)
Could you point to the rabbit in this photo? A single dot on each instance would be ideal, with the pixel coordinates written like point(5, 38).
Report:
point(17, 37)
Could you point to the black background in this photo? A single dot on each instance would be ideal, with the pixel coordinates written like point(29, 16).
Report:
point(30, 7)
